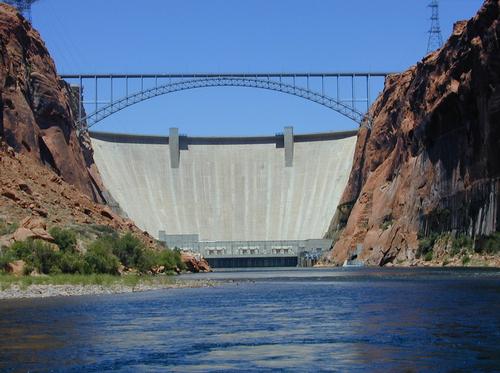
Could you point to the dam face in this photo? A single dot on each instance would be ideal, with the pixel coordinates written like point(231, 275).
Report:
point(227, 189)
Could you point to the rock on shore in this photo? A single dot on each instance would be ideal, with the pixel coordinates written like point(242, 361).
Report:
point(195, 262)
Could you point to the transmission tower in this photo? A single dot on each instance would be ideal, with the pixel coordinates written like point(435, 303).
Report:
point(24, 6)
point(435, 37)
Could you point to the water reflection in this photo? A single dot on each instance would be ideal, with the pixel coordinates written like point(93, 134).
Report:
point(291, 320)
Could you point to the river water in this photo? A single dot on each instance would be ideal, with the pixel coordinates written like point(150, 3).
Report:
point(262, 320)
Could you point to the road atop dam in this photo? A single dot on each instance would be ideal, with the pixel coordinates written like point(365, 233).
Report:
point(227, 189)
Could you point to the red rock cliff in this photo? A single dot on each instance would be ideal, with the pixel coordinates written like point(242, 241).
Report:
point(431, 161)
point(36, 116)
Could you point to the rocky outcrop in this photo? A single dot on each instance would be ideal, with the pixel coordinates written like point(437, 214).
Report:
point(33, 228)
point(35, 197)
point(37, 115)
point(195, 262)
point(16, 268)
point(431, 161)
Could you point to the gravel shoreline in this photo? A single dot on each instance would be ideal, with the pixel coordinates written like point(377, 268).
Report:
point(44, 291)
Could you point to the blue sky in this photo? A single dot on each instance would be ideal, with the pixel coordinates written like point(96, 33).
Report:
point(167, 36)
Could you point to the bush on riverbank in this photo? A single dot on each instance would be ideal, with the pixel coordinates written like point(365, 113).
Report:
point(489, 244)
point(109, 253)
point(426, 245)
point(38, 255)
point(446, 246)
point(64, 238)
point(99, 258)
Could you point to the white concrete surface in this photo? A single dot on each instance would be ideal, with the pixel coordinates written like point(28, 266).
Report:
point(228, 192)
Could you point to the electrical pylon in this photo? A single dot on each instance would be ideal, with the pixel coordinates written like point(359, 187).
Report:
point(435, 38)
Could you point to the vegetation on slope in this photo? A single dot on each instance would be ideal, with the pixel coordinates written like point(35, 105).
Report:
point(108, 253)
point(447, 247)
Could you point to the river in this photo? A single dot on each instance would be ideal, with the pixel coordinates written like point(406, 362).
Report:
point(262, 320)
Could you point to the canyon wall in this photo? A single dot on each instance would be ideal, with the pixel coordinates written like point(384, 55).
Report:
point(431, 160)
point(37, 115)
point(47, 169)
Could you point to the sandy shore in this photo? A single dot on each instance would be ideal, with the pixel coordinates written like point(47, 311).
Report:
point(15, 291)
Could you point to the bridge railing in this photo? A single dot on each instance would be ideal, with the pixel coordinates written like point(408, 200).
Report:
point(349, 93)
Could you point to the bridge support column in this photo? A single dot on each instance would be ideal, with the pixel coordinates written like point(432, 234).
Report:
point(288, 143)
point(173, 144)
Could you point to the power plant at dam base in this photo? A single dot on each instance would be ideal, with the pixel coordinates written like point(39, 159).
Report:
point(237, 201)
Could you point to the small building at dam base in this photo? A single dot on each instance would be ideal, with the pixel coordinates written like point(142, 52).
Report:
point(238, 254)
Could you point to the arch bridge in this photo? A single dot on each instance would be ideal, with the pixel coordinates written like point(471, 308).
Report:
point(101, 95)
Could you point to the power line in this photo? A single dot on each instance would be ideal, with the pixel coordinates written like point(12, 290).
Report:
point(435, 37)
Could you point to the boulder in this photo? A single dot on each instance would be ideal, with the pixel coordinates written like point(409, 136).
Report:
point(32, 228)
point(23, 234)
point(107, 213)
point(16, 268)
point(158, 269)
point(195, 262)
point(24, 187)
point(10, 194)
point(33, 222)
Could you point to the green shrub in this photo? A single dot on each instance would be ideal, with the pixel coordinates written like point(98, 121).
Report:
point(99, 258)
point(489, 244)
point(104, 230)
point(21, 250)
point(44, 258)
point(130, 251)
point(72, 262)
point(425, 244)
point(35, 253)
point(344, 211)
point(428, 256)
point(387, 222)
point(64, 238)
point(146, 261)
point(170, 259)
point(465, 260)
point(460, 243)
point(6, 228)
point(6, 257)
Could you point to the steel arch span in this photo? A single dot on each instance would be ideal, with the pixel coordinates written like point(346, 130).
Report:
point(274, 82)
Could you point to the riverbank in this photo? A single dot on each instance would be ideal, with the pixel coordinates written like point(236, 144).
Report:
point(12, 287)
point(440, 259)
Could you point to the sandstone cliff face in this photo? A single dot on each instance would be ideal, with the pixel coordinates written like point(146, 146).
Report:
point(36, 116)
point(431, 161)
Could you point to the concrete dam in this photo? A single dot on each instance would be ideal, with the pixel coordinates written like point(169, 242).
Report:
point(227, 197)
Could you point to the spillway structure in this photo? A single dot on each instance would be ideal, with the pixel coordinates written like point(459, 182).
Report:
point(238, 201)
